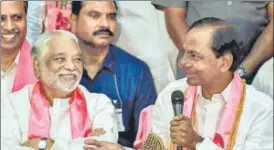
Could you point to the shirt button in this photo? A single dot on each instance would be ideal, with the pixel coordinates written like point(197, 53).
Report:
point(229, 3)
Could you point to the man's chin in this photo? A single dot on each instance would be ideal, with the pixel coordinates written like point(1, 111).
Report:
point(192, 82)
point(102, 44)
point(8, 47)
point(68, 87)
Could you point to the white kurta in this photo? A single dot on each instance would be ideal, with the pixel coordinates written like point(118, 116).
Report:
point(15, 114)
point(7, 78)
point(263, 81)
point(255, 131)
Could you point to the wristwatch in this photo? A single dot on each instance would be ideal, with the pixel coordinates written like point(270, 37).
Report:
point(241, 71)
point(42, 144)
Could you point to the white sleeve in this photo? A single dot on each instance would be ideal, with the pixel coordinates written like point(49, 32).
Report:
point(263, 81)
point(162, 114)
point(259, 137)
point(35, 16)
point(104, 117)
point(10, 129)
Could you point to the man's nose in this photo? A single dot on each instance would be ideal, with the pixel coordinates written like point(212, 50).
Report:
point(70, 65)
point(104, 23)
point(183, 62)
point(9, 25)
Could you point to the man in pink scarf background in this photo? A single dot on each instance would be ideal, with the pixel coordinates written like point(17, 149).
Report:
point(16, 62)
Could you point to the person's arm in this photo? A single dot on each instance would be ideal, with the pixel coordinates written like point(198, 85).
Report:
point(262, 50)
point(175, 15)
point(176, 24)
point(10, 130)
point(102, 117)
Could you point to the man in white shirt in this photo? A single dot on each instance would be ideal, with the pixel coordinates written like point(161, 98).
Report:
point(219, 111)
point(263, 81)
point(56, 113)
point(16, 63)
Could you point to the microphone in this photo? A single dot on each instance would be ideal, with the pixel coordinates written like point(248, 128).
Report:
point(177, 100)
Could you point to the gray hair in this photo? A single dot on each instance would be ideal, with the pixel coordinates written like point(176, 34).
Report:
point(41, 44)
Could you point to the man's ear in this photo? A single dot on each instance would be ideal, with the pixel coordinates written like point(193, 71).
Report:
point(73, 23)
point(36, 67)
point(227, 60)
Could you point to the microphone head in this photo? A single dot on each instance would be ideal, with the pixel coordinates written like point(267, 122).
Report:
point(177, 97)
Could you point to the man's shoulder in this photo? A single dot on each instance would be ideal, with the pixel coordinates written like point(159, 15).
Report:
point(22, 94)
point(19, 100)
point(257, 100)
point(123, 57)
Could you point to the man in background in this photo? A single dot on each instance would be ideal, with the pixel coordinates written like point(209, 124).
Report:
point(253, 22)
point(110, 70)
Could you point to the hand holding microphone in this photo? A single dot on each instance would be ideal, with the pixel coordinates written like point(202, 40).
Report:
point(181, 130)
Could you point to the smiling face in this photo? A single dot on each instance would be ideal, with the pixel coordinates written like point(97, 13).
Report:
point(61, 67)
point(13, 25)
point(199, 61)
point(96, 23)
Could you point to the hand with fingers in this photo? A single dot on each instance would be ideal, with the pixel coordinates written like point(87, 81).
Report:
point(33, 143)
point(101, 145)
point(182, 132)
point(97, 132)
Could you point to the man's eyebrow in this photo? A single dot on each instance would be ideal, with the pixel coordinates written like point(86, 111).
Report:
point(112, 14)
point(94, 11)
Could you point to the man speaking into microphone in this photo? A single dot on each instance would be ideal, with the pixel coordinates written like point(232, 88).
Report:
point(219, 111)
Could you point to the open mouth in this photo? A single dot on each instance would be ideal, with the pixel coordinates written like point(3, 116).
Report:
point(68, 77)
point(8, 37)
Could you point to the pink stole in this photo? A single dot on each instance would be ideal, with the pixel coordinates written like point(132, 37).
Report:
point(24, 72)
point(230, 110)
point(144, 127)
point(39, 123)
point(57, 17)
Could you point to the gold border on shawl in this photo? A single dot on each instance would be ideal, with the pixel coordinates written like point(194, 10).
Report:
point(232, 138)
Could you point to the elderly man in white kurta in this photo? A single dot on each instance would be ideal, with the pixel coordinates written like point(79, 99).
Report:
point(220, 111)
point(56, 113)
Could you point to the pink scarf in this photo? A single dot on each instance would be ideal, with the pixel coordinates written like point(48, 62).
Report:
point(227, 121)
point(24, 72)
point(39, 123)
point(57, 18)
